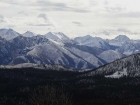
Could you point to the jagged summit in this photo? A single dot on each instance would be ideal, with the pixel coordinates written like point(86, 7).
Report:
point(8, 34)
point(56, 48)
point(119, 40)
point(29, 34)
point(92, 41)
point(58, 36)
point(122, 38)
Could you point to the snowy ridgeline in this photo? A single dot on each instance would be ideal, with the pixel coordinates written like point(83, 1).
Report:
point(129, 66)
point(37, 66)
point(85, 52)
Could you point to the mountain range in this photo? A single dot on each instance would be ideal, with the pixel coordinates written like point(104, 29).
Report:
point(56, 48)
point(107, 71)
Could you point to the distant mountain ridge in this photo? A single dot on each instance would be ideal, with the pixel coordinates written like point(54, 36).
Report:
point(40, 50)
point(92, 42)
point(37, 66)
point(56, 48)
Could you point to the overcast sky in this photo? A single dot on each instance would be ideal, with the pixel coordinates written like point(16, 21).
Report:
point(101, 18)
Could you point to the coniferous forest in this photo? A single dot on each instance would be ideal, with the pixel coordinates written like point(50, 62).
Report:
point(48, 87)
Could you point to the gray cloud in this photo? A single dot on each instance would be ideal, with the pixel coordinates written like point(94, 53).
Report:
point(125, 24)
point(2, 19)
point(106, 2)
point(127, 31)
point(118, 13)
point(22, 13)
point(77, 23)
point(43, 16)
point(114, 9)
point(63, 9)
point(46, 21)
point(123, 30)
point(47, 3)
point(14, 2)
point(105, 32)
point(51, 6)
point(130, 14)
point(40, 24)
point(119, 31)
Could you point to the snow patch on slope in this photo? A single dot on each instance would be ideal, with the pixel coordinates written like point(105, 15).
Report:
point(29, 34)
point(118, 74)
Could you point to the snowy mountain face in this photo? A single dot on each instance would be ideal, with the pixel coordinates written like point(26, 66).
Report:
point(92, 50)
point(29, 34)
point(122, 38)
point(129, 48)
point(57, 48)
point(58, 37)
point(92, 42)
point(19, 46)
point(129, 66)
point(5, 53)
point(51, 53)
point(110, 55)
point(85, 55)
point(8, 34)
point(40, 50)
point(119, 40)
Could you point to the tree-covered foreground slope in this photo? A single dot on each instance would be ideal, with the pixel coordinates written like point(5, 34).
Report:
point(20, 86)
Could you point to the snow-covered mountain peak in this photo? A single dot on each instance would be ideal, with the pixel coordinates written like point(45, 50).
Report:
point(61, 35)
point(6, 30)
point(119, 40)
point(29, 34)
point(92, 41)
point(122, 38)
point(87, 36)
point(8, 34)
point(52, 36)
point(58, 36)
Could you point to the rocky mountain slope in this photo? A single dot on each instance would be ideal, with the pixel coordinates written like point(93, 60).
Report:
point(92, 42)
point(57, 48)
point(40, 50)
point(128, 66)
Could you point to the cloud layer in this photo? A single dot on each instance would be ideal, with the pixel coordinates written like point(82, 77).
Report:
point(105, 18)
